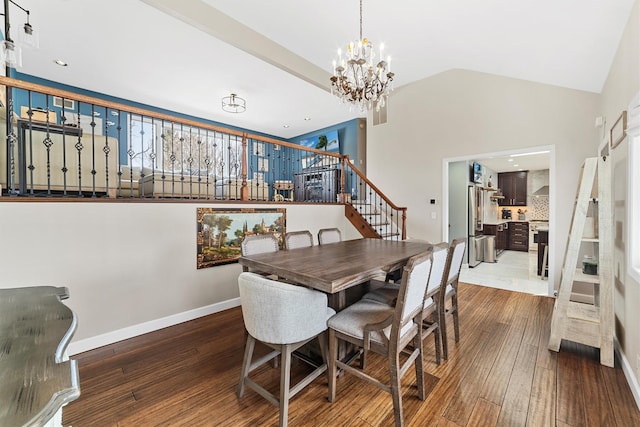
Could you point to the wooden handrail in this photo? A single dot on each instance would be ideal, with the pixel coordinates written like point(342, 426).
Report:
point(376, 189)
point(34, 87)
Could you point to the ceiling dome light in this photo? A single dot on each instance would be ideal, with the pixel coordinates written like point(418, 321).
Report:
point(234, 104)
point(60, 62)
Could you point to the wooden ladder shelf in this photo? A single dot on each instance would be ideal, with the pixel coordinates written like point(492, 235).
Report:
point(589, 324)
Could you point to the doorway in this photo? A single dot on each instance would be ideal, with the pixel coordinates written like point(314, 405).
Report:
point(514, 270)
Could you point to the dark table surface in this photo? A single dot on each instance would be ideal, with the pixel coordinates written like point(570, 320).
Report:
point(338, 266)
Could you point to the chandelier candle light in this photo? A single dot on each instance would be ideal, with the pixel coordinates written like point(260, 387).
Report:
point(357, 79)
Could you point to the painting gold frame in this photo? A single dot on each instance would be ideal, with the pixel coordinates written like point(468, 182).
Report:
point(220, 232)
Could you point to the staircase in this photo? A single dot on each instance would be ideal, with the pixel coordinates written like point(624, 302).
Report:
point(368, 209)
point(371, 221)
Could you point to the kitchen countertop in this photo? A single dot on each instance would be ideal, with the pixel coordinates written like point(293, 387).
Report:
point(497, 222)
point(503, 221)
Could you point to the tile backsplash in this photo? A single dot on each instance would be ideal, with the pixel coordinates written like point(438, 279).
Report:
point(539, 208)
point(538, 205)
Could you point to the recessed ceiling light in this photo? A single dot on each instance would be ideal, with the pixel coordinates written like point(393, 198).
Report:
point(516, 165)
point(285, 126)
point(60, 62)
point(510, 160)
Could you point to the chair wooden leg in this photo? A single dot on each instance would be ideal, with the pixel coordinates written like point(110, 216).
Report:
point(417, 342)
point(333, 371)
point(324, 352)
point(246, 363)
point(436, 336)
point(285, 377)
point(396, 390)
point(443, 329)
point(454, 311)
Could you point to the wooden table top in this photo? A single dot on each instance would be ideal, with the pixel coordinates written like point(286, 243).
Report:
point(337, 266)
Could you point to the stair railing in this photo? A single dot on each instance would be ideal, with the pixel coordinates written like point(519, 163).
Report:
point(63, 144)
point(368, 208)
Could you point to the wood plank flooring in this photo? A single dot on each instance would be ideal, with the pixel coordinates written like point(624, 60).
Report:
point(499, 374)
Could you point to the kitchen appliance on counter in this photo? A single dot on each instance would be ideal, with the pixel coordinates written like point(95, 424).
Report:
point(475, 243)
point(506, 213)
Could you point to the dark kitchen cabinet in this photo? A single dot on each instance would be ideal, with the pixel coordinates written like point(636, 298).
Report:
point(518, 236)
point(514, 188)
point(502, 236)
point(501, 233)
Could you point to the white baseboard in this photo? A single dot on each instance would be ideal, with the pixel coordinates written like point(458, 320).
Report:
point(628, 373)
point(153, 325)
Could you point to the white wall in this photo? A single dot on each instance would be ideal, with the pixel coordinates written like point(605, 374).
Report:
point(623, 82)
point(129, 267)
point(458, 199)
point(464, 113)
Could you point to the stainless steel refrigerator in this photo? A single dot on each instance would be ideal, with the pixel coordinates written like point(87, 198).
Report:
point(475, 225)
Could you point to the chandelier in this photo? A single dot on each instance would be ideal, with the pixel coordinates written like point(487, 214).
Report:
point(234, 104)
point(357, 79)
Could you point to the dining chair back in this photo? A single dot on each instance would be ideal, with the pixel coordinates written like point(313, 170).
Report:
point(388, 331)
point(432, 306)
point(284, 317)
point(298, 239)
point(329, 235)
point(450, 291)
point(388, 293)
point(258, 244)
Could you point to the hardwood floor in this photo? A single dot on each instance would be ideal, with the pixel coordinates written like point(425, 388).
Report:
point(500, 373)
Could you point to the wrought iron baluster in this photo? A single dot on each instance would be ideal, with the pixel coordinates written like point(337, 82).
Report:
point(79, 147)
point(63, 121)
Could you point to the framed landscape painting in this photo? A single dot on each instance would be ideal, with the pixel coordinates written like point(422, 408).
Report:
point(221, 231)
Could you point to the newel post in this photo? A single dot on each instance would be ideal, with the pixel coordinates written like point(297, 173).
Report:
point(244, 190)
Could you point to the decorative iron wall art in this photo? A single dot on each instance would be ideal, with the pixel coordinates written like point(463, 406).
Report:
point(221, 231)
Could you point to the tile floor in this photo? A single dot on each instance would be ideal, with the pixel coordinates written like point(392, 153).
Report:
point(514, 271)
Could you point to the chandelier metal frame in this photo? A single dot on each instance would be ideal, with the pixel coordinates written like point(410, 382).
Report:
point(359, 81)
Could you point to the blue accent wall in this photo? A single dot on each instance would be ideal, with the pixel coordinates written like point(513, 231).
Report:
point(347, 135)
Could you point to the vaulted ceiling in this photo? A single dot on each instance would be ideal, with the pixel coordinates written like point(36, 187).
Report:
point(185, 55)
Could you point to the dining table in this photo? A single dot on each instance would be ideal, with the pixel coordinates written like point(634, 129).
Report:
point(337, 267)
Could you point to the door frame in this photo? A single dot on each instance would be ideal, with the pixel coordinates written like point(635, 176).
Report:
point(553, 246)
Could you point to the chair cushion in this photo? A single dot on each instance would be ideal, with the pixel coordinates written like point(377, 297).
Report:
point(352, 320)
point(448, 291)
point(386, 294)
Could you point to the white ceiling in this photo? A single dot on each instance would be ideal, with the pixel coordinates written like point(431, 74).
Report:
point(517, 162)
point(185, 55)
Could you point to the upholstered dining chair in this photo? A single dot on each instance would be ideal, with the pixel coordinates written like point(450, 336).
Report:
point(329, 235)
point(450, 293)
point(386, 330)
point(298, 239)
point(431, 314)
point(283, 317)
point(259, 244)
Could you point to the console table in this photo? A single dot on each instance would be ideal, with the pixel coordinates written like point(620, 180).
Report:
point(36, 377)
